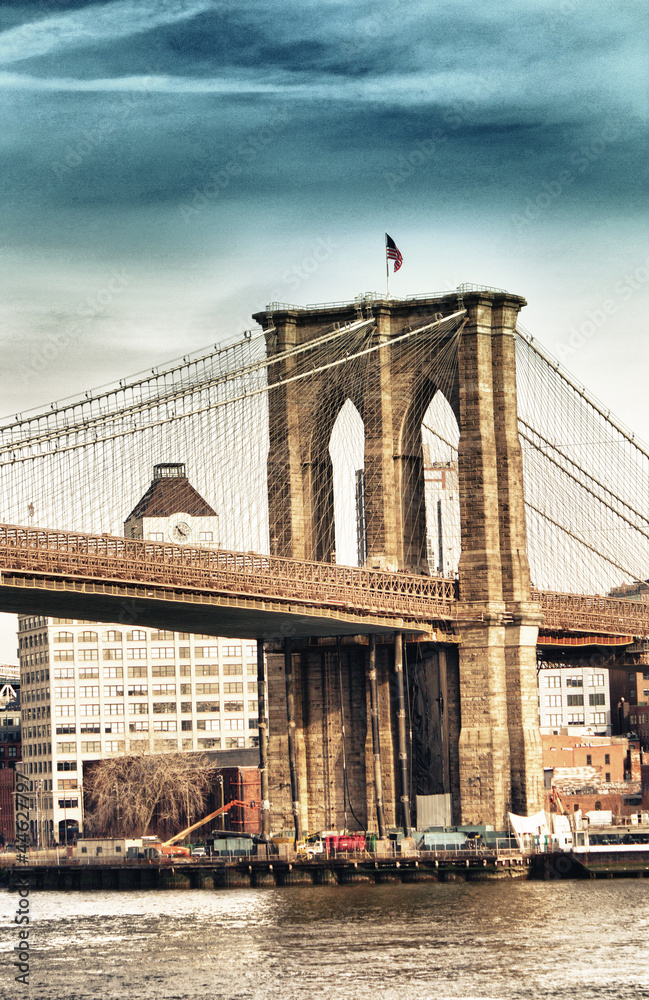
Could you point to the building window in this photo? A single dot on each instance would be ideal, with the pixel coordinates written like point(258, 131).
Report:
point(91, 746)
point(163, 653)
point(233, 724)
point(138, 689)
point(576, 719)
point(599, 718)
point(63, 654)
point(137, 653)
point(64, 692)
point(115, 672)
point(234, 741)
point(112, 654)
point(186, 725)
point(114, 709)
point(113, 690)
point(164, 707)
point(87, 637)
point(589, 760)
point(207, 670)
point(64, 637)
point(233, 706)
point(575, 699)
point(554, 720)
point(157, 689)
point(89, 727)
point(553, 700)
point(89, 691)
point(61, 673)
point(138, 708)
point(137, 671)
point(162, 726)
point(596, 680)
point(66, 729)
point(66, 765)
point(138, 727)
point(88, 654)
point(551, 681)
point(607, 776)
point(202, 688)
point(206, 536)
point(62, 710)
point(137, 635)
point(596, 699)
point(209, 725)
point(209, 652)
point(232, 669)
point(86, 673)
point(574, 681)
point(88, 710)
point(163, 670)
point(607, 758)
point(207, 707)
point(114, 746)
point(66, 747)
point(112, 636)
point(209, 742)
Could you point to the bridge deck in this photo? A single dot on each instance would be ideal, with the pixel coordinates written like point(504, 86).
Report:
point(248, 594)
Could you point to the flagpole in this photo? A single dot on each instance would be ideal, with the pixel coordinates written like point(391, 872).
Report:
point(387, 265)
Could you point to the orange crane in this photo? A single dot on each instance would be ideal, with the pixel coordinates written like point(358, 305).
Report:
point(217, 812)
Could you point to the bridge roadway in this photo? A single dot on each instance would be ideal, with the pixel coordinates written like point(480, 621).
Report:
point(248, 595)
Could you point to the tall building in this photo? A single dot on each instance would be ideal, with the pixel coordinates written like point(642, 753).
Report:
point(10, 746)
point(93, 690)
point(574, 700)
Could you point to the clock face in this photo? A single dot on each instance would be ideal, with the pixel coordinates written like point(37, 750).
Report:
point(181, 532)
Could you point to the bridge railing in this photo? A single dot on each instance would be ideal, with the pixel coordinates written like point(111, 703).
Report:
point(570, 612)
point(124, 560)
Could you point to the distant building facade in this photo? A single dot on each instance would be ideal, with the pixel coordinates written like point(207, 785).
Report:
point(574, 700)
point(95, 690)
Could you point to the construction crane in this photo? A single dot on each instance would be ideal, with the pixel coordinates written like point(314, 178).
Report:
point(217, 812)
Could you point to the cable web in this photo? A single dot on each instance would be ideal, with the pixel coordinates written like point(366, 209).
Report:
point(367, 412)
point(586, 482)
point(84, 464)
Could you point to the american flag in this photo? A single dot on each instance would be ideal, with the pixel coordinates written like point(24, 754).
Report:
point(393, 252)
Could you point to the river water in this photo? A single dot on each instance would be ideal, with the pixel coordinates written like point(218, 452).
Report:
point(492, 941)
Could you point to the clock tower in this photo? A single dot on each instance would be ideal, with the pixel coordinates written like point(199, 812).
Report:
point(171, 510)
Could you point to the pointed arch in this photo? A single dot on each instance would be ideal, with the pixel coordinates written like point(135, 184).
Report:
point(429, 436)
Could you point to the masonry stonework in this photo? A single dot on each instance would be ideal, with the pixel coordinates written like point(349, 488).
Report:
point(492, 759)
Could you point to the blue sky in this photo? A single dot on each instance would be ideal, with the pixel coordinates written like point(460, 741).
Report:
point(170, 166)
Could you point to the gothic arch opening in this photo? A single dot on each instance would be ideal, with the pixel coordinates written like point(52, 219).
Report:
point(347, 452)
point(440, 437)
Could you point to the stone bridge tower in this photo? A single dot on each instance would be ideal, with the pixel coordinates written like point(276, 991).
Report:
point(492, 749)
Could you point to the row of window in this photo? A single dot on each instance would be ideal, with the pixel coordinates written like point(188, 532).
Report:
point(118, 746)
point(577, 719)
point(555, 700)
point(574, 680)
point(117, 690)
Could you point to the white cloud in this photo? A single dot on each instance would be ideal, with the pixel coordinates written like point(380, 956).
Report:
point(91, 25)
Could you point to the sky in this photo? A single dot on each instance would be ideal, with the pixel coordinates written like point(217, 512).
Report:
point(169, 167)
